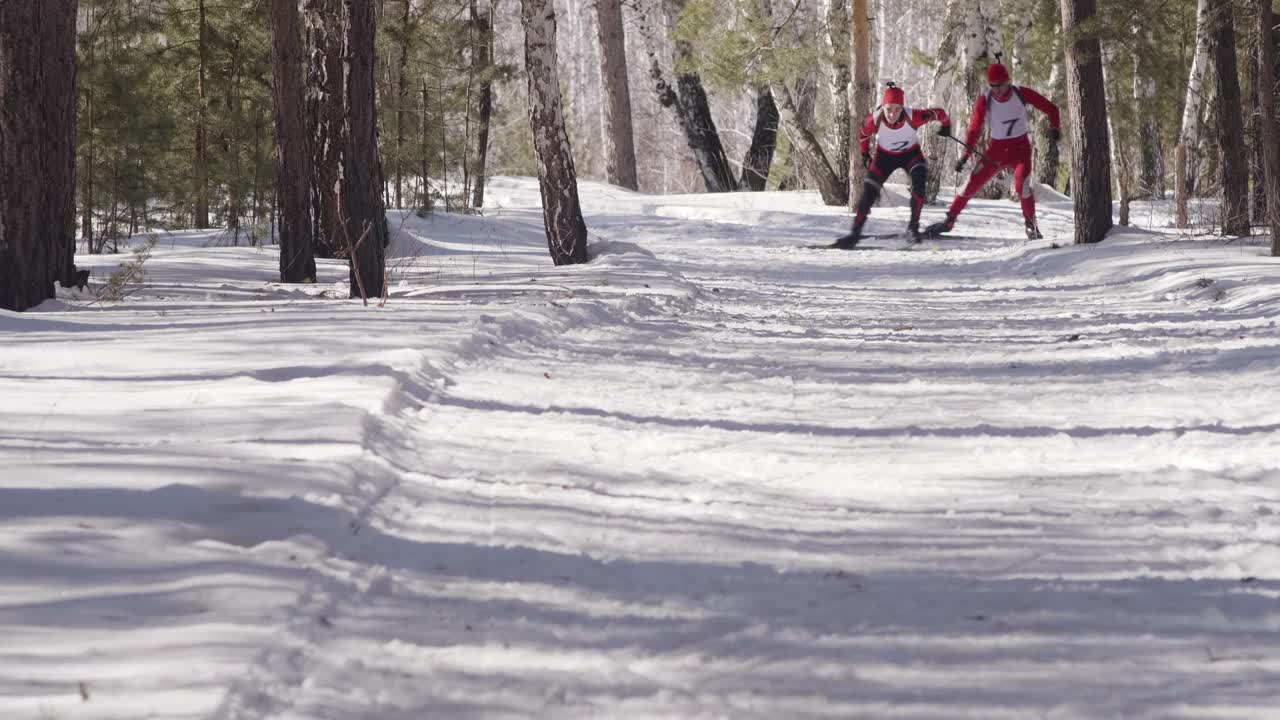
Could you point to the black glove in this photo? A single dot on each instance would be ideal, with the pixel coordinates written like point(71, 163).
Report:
point(866, 160)
point(1055, 134)
point(944, 131)
point(960, 164)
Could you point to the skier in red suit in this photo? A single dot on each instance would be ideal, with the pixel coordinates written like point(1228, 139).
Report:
point(897, 148)
point(1005, 106)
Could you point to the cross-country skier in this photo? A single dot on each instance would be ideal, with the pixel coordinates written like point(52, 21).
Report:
point(1005, 106)
point(897, 148)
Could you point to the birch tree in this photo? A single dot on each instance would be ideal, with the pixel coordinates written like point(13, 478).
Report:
point(837, 38)
point(1086, 98)
point(946, 73)
point(37, 150)
point(619, 142)
point(557, 179)
point(759, 157)
point(1186, 169)
point(1047, 151)
point(687, 99)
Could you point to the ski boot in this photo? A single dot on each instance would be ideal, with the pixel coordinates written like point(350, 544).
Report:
point(850, 241)
point(938, 228)
point(914, 236)
point(1033, 231)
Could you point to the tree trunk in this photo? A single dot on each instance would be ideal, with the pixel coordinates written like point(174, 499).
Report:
point(942, 90)
point(200, 214)
point(325, 127)
point(1270, 128)
point(809, 151)
point(695, 115)
point(838, 28)
point(484, 21)
point(1086, 99)
point(1120, 161)
point(424, 149)
point(1235, 173)
point(86, 171)
point(402, 97)
point(233, 144)
point(293, 163)
point(557, 179)
point(37, 150)
point(764, 139)
point(714, 171)
point(1047, 152)
point(1151, 163)
point(363, 214)
point(1253, 134)
point(704, 138)
point(863, 88)
point(1189, 137)
point(619, 142)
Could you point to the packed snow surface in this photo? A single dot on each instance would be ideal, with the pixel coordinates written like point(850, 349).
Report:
point(709, 474)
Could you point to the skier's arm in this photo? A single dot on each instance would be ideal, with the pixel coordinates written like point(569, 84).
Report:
point(920, 117)
point(864, 137)
point(975, 123)
point(1043, 104)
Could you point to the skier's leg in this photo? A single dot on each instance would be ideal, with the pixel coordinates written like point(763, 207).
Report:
point(870, 192)
point(871, 185)
point(1027, 194)
point(919, 174)
point(981, 175)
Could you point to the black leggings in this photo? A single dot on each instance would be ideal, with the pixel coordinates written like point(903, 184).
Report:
point(880, 169)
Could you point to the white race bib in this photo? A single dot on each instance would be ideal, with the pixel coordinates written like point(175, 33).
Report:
point(899, 139)
point(1008, 119)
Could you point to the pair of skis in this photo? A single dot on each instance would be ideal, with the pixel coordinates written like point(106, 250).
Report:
point(909, 243)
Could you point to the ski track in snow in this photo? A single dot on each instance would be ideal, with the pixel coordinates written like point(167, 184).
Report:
point(708, 475)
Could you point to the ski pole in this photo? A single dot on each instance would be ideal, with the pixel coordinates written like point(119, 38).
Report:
point(972, 149)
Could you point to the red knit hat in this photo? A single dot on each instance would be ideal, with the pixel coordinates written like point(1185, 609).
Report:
point(893, 95)
point(996, 74)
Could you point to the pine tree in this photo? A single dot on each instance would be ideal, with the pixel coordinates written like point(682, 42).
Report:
point(364, 219)
point(1086, 99)
point(1266, 37)
point(293, 175)
point(1235, 174)
point(37, 150)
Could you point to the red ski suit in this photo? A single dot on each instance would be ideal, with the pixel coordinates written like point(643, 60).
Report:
point(1009, 146)
point(897, 148)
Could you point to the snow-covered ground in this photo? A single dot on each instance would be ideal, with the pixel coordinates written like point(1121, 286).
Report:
point(710, 474)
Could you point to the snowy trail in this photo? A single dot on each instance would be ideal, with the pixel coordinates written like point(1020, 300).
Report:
point(709, 475)
point(831, 485)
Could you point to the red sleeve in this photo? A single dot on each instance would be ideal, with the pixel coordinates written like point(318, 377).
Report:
point(1041, 103)
point(864, 137)
point(920, 117)
point(975, 122)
